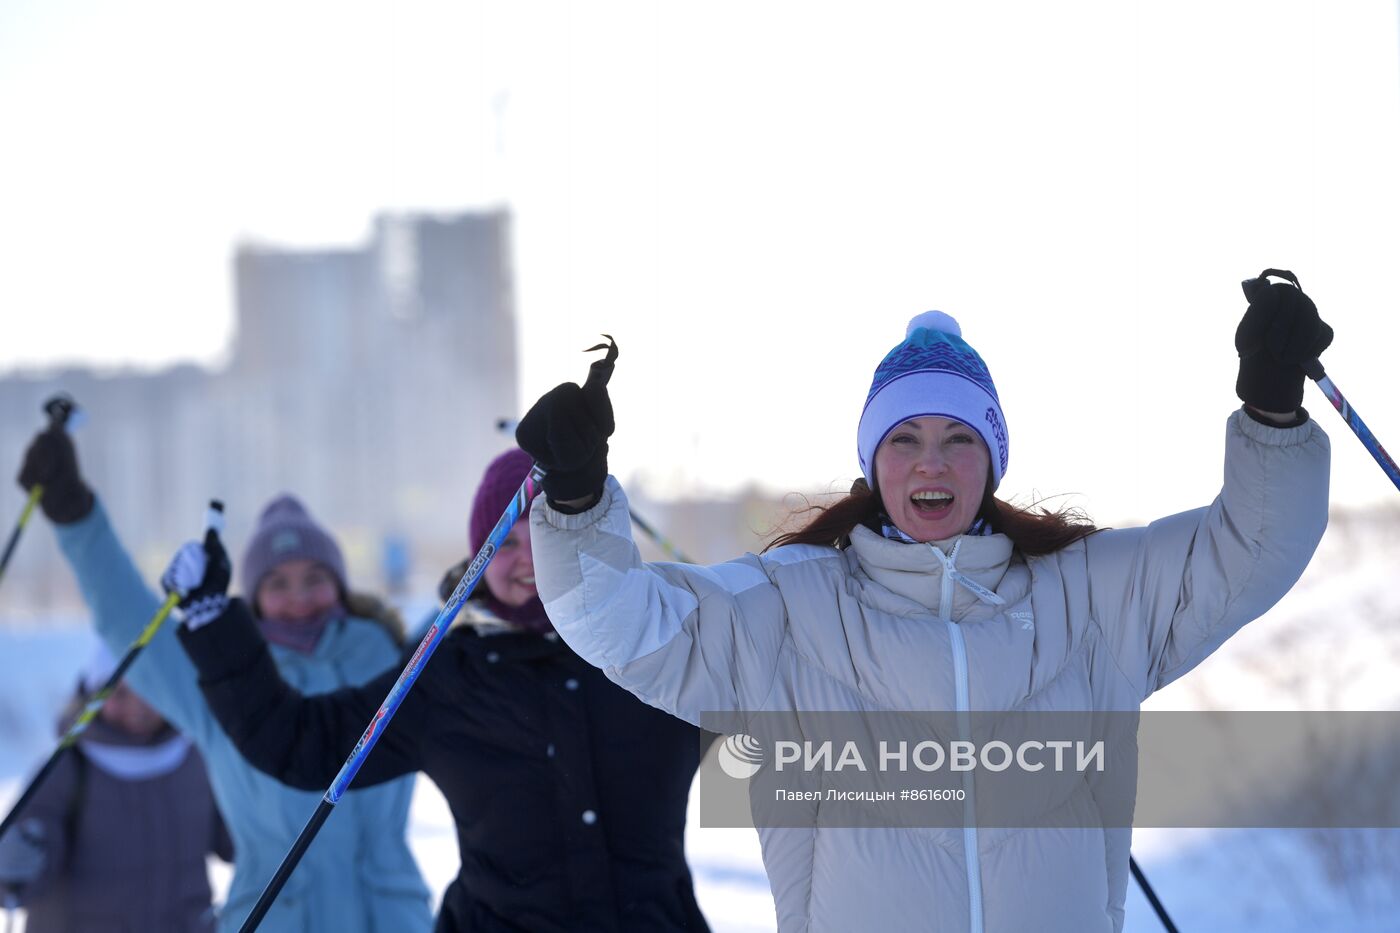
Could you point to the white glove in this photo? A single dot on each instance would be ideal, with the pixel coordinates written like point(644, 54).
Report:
point(200, 574)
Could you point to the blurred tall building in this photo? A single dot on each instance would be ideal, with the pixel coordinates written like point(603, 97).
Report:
point(367, 381)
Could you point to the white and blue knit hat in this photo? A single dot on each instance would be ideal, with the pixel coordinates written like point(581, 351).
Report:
point(932, 373)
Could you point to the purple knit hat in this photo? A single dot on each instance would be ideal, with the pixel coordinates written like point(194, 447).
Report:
point(286, 531)
point(498, 485)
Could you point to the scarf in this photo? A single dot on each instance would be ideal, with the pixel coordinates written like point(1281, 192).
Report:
point(888, 529)
point(530, 617)
point(300, 635)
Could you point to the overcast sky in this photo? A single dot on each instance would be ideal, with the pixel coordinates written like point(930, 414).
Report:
point(753, 198)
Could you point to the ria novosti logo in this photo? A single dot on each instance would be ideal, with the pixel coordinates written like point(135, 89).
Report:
point(740, 756)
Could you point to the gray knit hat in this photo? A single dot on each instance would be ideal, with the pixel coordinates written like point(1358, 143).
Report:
point(286, 531)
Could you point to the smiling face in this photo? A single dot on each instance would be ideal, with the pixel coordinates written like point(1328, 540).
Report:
point(932, 473)
point(297, 590)
point(511, 574)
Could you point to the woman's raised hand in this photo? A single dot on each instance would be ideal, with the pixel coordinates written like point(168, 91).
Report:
point(567, 433)
point(1278, 335)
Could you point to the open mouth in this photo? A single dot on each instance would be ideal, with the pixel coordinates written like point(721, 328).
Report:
point(932, 504)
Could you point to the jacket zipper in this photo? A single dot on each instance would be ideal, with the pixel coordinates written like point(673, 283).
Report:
point(964, 703)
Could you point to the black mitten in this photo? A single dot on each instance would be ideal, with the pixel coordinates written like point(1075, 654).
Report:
point(52, 461)
point(1279, 333)
point(567, 433)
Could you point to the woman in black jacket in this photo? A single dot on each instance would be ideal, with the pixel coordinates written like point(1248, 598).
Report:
point(569, 794)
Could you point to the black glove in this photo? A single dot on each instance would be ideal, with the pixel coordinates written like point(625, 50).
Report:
point(567, 433)
point(52, 461)
point(1279, 333)
point(200, 573)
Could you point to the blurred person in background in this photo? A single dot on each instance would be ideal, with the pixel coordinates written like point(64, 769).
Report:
point(361, 876)
point(568, 794)
point(115, 838)
point(923, 591)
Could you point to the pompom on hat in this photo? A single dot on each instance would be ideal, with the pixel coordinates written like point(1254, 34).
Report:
point(932, 373)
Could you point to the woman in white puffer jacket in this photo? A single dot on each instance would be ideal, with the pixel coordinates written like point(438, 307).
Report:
point(922, 591)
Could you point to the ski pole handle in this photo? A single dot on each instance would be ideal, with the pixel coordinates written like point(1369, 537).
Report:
point(382, 717)
point(59, 408)
point(1358, 427)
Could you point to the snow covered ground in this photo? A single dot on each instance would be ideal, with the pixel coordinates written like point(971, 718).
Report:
point(1334, 643)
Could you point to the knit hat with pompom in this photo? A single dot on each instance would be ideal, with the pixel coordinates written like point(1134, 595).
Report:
point(934, 372)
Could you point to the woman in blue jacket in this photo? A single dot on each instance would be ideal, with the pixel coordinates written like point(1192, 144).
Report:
point(360, 877)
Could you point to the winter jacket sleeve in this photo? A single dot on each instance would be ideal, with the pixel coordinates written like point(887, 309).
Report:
point(1169, 594)
point(684, 638)
point(122, 604)
point(301, 741)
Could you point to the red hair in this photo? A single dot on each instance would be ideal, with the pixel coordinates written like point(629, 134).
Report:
point(1034, 530)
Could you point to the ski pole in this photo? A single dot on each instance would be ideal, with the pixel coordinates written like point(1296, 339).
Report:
point(1315, 372)
point(59, 409)
point(431, 639)
point(214, 519)
point(658, 537)
point(1151, 896)
point(508, 425)
point(1358, 427)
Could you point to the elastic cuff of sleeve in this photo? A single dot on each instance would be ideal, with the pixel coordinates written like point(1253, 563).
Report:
point(205, 610)
point(574, 521)
point(1298, 421)
point(574, 509)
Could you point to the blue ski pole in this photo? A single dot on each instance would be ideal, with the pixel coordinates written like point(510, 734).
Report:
point(1358, 427)
point(386, 711)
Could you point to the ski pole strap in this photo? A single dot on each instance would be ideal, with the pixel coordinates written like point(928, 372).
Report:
point(1358, 427)
point(434, 635)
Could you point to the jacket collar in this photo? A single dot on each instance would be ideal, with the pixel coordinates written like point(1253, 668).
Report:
point(479, 632)
point(977, 564)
